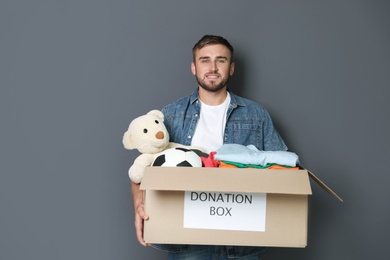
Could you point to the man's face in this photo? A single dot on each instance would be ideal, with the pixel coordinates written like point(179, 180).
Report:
point(213, 67)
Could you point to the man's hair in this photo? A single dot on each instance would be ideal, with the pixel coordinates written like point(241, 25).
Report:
point(211, 40)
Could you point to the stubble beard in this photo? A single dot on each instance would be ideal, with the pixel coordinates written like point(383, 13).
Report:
point(212, 87)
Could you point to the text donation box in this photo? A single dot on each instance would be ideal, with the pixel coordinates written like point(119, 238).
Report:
point(225, 211)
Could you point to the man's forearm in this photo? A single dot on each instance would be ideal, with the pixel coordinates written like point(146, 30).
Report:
point(138, 195)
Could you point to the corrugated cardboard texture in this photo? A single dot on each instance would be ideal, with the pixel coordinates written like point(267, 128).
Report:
point(216, 179)
point(287, 205)
point(286, 224)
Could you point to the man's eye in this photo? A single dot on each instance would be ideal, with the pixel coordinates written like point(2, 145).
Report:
point(221, 61)
point(204, 61)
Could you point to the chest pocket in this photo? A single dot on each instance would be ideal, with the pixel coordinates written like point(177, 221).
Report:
point(245, 134)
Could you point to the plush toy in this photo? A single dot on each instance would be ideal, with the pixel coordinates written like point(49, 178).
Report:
point(150, 137)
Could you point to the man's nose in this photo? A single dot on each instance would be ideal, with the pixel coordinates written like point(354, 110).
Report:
point(213, 67)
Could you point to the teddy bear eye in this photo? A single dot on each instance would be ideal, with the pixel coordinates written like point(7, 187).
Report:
point(157, 122)
point(145, 130)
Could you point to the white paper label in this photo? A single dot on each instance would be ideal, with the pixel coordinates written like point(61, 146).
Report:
point(225, 211)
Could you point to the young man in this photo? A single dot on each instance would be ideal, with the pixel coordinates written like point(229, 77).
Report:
point(209, 118)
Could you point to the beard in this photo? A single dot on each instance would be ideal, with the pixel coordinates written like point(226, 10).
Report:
point(212, 86)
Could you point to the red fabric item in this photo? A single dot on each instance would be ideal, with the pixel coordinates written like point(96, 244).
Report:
point(209, 161)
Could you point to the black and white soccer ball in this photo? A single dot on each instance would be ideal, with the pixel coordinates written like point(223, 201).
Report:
point(178, 157)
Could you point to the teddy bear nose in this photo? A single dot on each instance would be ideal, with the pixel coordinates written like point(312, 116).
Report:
point(160, 135)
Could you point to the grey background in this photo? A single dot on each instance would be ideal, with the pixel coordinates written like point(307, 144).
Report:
point(73, 74)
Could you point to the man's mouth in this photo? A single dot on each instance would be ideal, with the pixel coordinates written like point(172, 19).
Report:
point(211, 76)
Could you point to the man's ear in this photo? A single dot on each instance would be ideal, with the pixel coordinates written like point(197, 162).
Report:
point(193, 68)
point(231, 72)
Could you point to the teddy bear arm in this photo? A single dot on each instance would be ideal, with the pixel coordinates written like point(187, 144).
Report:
point(174, 145)
point(136, 171)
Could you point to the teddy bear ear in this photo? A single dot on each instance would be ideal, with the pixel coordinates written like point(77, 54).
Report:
point(157, 113)
point(127, 141)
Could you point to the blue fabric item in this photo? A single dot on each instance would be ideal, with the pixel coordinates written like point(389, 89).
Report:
point(251, 155)
point(205, 252)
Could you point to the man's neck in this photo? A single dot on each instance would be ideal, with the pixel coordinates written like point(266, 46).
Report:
point(212, 98)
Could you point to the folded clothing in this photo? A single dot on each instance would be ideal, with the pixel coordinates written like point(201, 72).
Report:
point(251, 155)
point(226, 164)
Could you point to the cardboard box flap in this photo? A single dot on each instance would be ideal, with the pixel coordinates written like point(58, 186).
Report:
point(324, 186)
point(227, 180)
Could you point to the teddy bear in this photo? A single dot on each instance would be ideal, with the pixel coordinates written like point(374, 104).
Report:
point(147, 134)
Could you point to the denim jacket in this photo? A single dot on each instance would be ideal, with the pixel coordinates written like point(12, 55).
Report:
point(247, 123)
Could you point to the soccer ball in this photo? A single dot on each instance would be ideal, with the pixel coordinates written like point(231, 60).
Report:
point(178, 157)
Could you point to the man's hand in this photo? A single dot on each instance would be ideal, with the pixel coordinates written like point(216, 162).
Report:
point(139, 212)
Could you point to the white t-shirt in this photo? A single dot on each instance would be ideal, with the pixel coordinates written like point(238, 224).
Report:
point(211, 126)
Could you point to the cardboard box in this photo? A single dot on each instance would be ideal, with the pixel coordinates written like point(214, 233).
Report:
point(220, 195)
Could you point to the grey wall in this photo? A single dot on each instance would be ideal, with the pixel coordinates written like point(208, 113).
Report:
point(73, 74)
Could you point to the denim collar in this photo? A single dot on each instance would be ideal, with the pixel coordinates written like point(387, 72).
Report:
point(234, 102)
